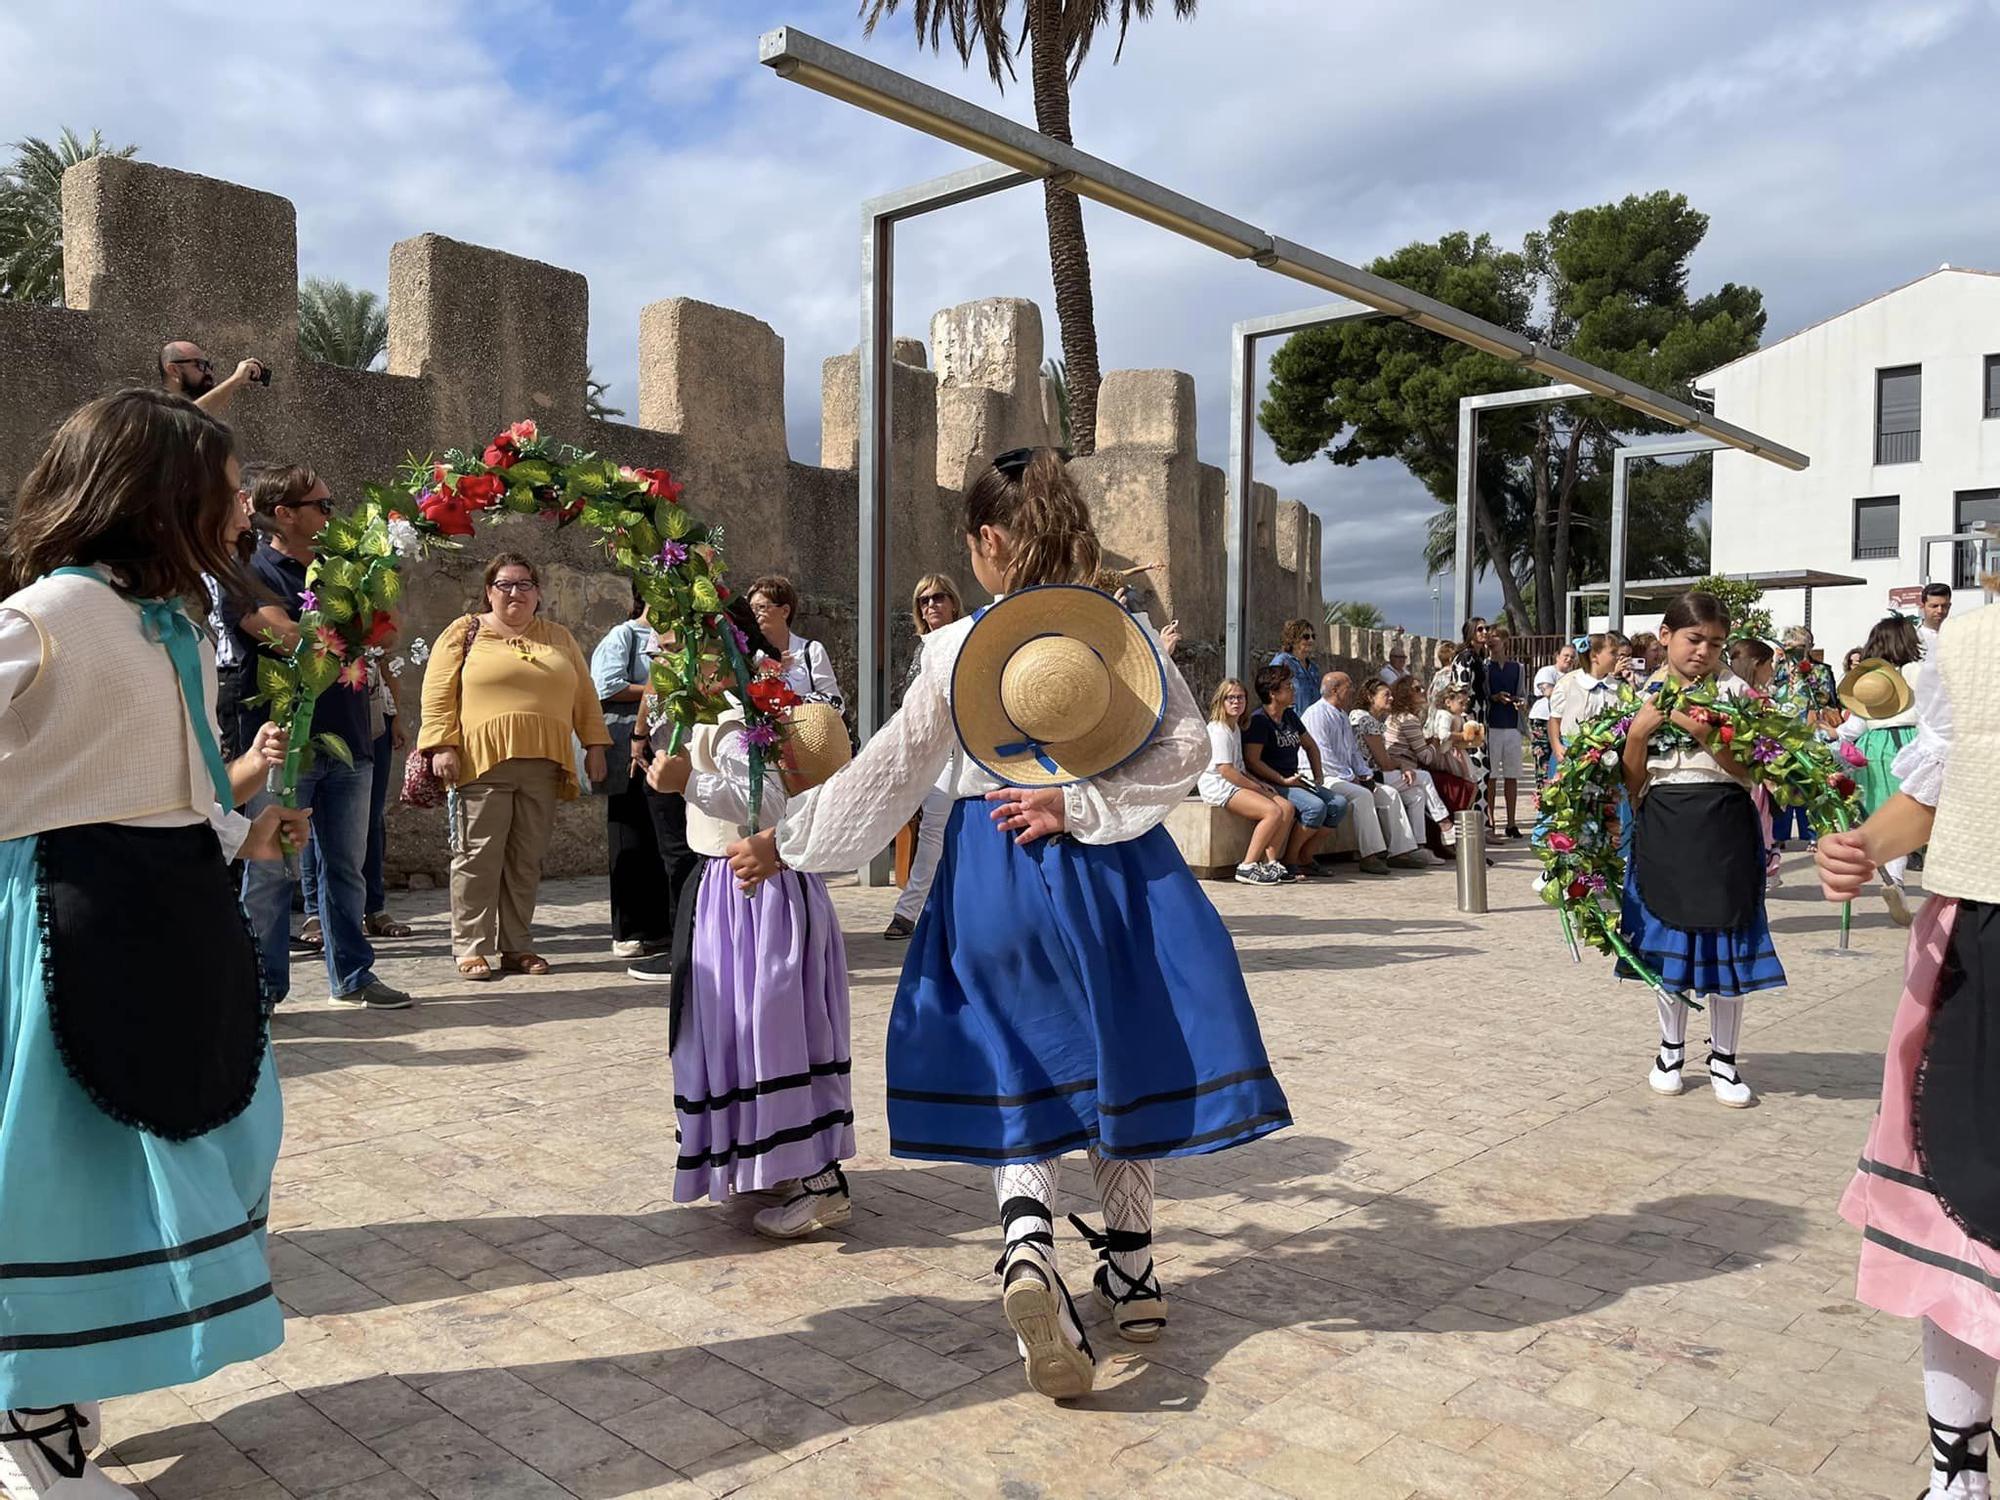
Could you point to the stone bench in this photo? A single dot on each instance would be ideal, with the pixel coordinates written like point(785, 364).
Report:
point(1213, 840)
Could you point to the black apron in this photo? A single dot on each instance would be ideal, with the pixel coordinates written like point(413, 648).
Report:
point(151, 974)
point(1958, 1084)
point(1699, 847)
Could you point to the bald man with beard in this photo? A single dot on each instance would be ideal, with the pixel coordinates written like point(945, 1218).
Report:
point(186, 371)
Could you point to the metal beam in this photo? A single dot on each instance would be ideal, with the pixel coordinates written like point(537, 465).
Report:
point(1236, 534)
point(1653, 447)
point(879, 218)
point(1469, 408)
point(806, 60)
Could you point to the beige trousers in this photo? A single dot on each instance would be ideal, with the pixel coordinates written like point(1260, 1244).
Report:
point(500, 831)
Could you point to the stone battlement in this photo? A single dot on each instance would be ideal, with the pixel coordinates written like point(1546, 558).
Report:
point(479, 338)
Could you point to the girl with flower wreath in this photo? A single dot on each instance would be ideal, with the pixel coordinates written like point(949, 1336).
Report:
point(758, 1012)
point(1926, 1193)
point(1693, 904)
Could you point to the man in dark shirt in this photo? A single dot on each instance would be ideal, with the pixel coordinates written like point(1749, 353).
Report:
point(290, 505)
point(1272, 742)
point(1507, 704)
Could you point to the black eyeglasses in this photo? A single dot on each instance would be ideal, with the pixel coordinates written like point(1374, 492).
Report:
point(1015, 461)
point(929, 599)
point(199, 364)
point(515, 585)
point(324, 507)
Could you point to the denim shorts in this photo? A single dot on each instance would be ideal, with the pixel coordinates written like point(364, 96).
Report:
point(1316, 809)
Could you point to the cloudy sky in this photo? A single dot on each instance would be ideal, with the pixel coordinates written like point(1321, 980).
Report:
point(1833, 143)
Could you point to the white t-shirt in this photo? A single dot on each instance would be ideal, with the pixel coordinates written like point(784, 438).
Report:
point(1225, 748)
point(1545, 684)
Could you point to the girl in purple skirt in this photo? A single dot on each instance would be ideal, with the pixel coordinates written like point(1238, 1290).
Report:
point(759, 1011)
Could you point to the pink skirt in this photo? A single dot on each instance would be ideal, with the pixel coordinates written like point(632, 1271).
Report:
point(1915, 1262)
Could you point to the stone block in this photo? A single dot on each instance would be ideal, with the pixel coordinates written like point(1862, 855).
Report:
point(1146, 409)
point(990, 396)
point(1213, 840)
point(914, 414)
point(502, 337)
point(716, 378)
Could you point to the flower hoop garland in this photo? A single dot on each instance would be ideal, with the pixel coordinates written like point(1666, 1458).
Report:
point(1583, 872)
point(674, 560)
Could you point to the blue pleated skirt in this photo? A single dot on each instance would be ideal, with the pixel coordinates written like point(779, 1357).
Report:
point(1736, 962)
point(127, 1262)
point(1068, 995)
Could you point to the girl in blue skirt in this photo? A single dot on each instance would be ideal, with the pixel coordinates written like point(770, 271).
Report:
point(1693, 906)
point(1068, 987)
point(139, 1112)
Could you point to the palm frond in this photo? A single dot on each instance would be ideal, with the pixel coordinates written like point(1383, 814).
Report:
point(340, 324)
point(31, 212)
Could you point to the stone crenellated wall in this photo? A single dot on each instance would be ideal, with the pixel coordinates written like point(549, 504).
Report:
point(479, 338)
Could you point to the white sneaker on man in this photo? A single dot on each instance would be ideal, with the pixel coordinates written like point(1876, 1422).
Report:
point(44, 1455)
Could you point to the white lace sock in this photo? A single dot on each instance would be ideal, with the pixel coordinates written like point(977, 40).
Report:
point(1028, 1193)
point(1125, 1191)
point(1673, 1027)
point(1725, 1027)
point(1958, 1393)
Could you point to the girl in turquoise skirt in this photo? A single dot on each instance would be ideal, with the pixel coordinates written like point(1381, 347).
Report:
point(139, 1111)
point(1879, 694)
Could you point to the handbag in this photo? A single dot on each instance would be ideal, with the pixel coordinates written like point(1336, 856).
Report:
point(421, 787)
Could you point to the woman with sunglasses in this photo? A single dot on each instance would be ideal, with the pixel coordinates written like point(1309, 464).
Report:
point(506, 694)
point(1295, 656)
point(934, 604)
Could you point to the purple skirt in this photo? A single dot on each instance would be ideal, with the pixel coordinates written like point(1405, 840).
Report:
point(761, 1059)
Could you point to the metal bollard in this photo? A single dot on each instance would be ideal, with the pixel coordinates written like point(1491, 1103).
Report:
point(1471, 860)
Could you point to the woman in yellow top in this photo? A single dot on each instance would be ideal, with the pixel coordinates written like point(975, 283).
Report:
point(498, 719)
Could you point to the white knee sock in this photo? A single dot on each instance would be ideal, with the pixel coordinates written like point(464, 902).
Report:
point(1725, 1026)
point(1125, 1189)
point(1027, 1191)
point(1958, 1393)
point(1673, 1027)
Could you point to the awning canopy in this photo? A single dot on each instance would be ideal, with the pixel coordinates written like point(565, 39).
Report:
point(1777, 579)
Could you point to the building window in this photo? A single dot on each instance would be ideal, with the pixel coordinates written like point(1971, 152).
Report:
point(1993, 385)
point(1898, 403)
point(1972, 508)
point(1875, 526)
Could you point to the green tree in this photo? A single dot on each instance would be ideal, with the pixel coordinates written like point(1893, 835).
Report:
point(1355, 612)
point(1057, 35)
point(1747, 615)
point(342, 325)
point(1607, 284)
point(1057, 376)
point(595, 406)
point(31, 213)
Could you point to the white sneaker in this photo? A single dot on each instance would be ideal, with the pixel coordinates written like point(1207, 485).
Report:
point(806, 1212)
point(1730, 1089)
point(43, 1452)
point(628, 948)
point(1898, 904)
point(1250, 874)
point(1666, 1075)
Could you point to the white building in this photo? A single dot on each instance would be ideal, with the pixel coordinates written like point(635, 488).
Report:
point(1897, 404)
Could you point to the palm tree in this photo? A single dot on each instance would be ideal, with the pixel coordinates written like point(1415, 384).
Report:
point(1057, 376)
point(31, 213)
point(340, 324)
point(1355, 613)
point(1057, 34)
point(595, 406)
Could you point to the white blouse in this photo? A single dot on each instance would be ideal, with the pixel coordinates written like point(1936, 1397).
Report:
point(21, 663)
point(1687, 762)
point(1920, 765)
point(724, 793)
point(843, 823)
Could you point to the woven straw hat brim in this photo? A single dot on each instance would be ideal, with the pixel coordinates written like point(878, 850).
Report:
point(1137, 677)
point(816, 744)
point(1899, 697)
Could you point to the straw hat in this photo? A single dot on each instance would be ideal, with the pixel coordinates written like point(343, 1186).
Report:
point(1054, 684)
point(1875, 689)
point(816, 744)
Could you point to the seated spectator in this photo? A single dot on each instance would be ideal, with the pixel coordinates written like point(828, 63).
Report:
point(1272, 741)
point(1410, 749)
point(1226, 784)
point(1369, 723)
point(1384, 816)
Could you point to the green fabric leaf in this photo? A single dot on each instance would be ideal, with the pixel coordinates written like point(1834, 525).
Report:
point(337, 603)
point(341, 535)
point(529, 471)
point(319, 671)
point(334, 745)
point(673, 520)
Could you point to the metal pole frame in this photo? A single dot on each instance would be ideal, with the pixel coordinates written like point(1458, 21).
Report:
point(1243, 340)
point(1984, 539)
point(1665, 446)
point(1469, 408)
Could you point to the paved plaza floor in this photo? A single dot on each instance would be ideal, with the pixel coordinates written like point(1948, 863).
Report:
point(1486, 1262)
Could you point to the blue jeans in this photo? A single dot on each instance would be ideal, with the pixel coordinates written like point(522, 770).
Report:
point(1317, 809)
point(1786, 819)
point(378, 833)
point(339, 798)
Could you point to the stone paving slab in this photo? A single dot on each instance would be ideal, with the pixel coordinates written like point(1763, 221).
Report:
point(1486, 1261)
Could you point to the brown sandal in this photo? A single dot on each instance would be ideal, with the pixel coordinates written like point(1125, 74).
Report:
point(475, 968)
point(524, 963)
point(380, 924)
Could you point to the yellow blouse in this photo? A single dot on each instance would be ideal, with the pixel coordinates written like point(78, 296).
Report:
point(516, 700)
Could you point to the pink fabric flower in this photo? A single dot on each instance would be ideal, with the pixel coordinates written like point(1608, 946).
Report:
point(355, 675)
point(330, 641)
point(1852, 753)
point(1562, 843)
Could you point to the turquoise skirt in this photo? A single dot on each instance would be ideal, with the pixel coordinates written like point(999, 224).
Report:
point(127, 1262)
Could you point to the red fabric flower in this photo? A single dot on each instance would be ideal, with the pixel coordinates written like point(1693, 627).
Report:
point(478, 491)
point(441, 476)
point(1844, 785)
point(1577, 890)
point(447, 512)
point(660, 482)
point(500, 454)
point(1727, 733)
point(523, 431)
point(772, 695)
point(380, 629)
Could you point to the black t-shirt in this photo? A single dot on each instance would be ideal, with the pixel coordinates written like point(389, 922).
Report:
point(1279, 739)
point(341, 710)
point(1505, 677)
